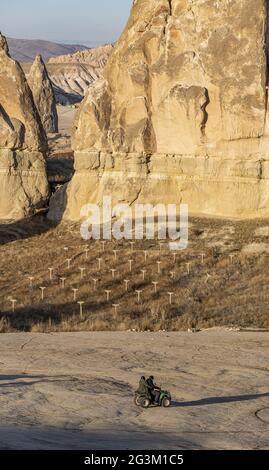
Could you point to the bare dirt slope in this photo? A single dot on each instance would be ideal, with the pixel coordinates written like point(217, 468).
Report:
point(66, 119)
point(227, 287)
point(74, 390)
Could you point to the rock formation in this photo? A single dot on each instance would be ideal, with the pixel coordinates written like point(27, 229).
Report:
point(71, 81)
point(97, 57)
point(181, 114)
point(23, 180)
point(72, 74)
point(43, 94)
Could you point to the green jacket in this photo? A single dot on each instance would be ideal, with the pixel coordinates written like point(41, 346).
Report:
point(142, 388)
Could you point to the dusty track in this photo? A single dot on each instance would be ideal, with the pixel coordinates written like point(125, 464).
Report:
point(75, 390)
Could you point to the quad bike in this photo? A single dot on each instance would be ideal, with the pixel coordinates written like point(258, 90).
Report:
point(146, 400)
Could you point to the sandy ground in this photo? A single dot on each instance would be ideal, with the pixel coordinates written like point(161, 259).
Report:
point(75, 390)
point(60, 162)
point(66, 116)
point(61, 142)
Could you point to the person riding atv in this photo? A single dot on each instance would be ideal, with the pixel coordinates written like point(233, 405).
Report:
point(143, 387)
point(154, 390)
point(144, 397)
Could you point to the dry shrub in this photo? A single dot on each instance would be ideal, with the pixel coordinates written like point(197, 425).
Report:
point(216, 293)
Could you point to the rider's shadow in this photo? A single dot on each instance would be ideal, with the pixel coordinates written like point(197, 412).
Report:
point(218, 400)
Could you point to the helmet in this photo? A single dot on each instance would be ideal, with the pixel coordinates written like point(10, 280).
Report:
point(143, 378)
point(151, 377)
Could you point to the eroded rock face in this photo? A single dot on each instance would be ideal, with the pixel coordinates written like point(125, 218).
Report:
point(72, 74)
point(23, 144)
point(181, 114)
point(11, 131)
point(43, 94)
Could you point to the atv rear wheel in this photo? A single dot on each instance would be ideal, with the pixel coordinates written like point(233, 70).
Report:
point(166, 402)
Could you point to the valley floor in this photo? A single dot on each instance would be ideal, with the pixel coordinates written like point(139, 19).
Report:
point(75, 390)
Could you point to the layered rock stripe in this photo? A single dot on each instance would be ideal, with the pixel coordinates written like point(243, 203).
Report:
point(181, 114)
point(23, 143)
point(72, 74)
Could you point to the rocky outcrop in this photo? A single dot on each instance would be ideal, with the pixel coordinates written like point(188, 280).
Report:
point(71, 81)
point(12, 131)
point(23, 144)
point(181, 114)
point(43, 94)
point(97, 57)
point(72, 74)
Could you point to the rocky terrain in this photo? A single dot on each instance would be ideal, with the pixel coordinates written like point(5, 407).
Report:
point(43, 95)
point(26, 50)
point(181, 114)
point(96, 57)
point(178, 114)
point(171, 109)
point(23, 143)
point(75, 390)
point(72, 74)
point(71, 81)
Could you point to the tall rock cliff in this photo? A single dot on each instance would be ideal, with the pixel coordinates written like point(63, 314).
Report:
point(23, 180)
point(43, 94)
point(181, 115)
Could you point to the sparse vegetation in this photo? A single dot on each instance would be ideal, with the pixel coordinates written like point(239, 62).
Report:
point(217, 292)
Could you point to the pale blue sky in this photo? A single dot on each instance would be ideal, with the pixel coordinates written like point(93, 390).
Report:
point(64, 20)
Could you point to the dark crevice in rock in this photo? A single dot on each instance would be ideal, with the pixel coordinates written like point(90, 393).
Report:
point(169, 14)
point(170, 7)
point(6, 117)
point(203, 108)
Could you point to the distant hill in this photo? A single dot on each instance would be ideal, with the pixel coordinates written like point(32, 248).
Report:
point(72, 74)
point(97, 57)
point(25, 50)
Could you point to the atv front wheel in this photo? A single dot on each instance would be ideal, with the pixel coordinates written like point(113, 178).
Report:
point(137, 400)
point(166, 402)
point(145, 402)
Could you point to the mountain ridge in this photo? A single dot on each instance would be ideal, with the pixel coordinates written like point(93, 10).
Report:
point(25, 50)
